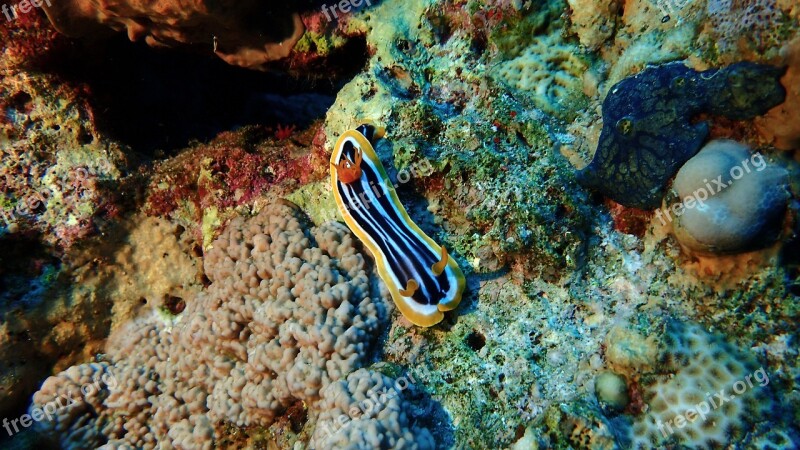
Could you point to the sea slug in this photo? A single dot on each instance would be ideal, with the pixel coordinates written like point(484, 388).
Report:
point(423, 279)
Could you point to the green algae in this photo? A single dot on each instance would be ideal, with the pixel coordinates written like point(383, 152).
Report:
point(210, 224)
point(391, 370)
point(319, 43)
point(316, 200)
point(514, 192)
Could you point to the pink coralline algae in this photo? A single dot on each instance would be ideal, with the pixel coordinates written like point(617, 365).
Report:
point(232, 170)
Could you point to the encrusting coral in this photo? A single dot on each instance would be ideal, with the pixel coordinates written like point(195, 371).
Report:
point(743, 23)
point(593, 22)
point(289, 310)
point(711, 392)
point(551, 73)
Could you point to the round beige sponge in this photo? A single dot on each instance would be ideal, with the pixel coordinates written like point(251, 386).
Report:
point(732, 200)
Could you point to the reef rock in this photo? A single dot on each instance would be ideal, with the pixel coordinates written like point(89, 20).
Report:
point(648, 132)
point(248, 33)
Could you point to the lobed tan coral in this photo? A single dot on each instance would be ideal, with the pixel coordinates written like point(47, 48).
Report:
point(367, 411)
point(75, 397)
point(289, 311)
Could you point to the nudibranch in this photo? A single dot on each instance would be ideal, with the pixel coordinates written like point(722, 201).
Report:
point(423, 279)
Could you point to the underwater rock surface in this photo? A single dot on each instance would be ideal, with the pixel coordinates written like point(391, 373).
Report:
point(220, 334)
point(648, 131)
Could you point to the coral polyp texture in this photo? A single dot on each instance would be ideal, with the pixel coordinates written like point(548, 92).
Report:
point(648, 131)
point(290, 309)
point(746, 24)
point(709, 393)
point(550, 72)
point(365, 411)
point(746, 206)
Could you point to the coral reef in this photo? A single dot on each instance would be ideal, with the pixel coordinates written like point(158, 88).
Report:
point(556, 341)
point(202, 187)
point(57, 170)
point(58, 180)
point(553, 73)
point(63, 315)
point(288, 311)
point(647, 130)
point(743, 210)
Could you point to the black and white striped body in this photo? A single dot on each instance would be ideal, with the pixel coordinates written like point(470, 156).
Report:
point(402, 251)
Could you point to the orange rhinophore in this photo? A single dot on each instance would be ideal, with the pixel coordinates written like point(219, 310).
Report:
point(350, 171)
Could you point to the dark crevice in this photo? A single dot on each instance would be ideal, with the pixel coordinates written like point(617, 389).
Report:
point(159, 100)
point(475, 340)
point(790, 260)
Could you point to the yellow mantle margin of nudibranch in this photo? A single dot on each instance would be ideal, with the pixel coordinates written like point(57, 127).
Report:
point(402, 302)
